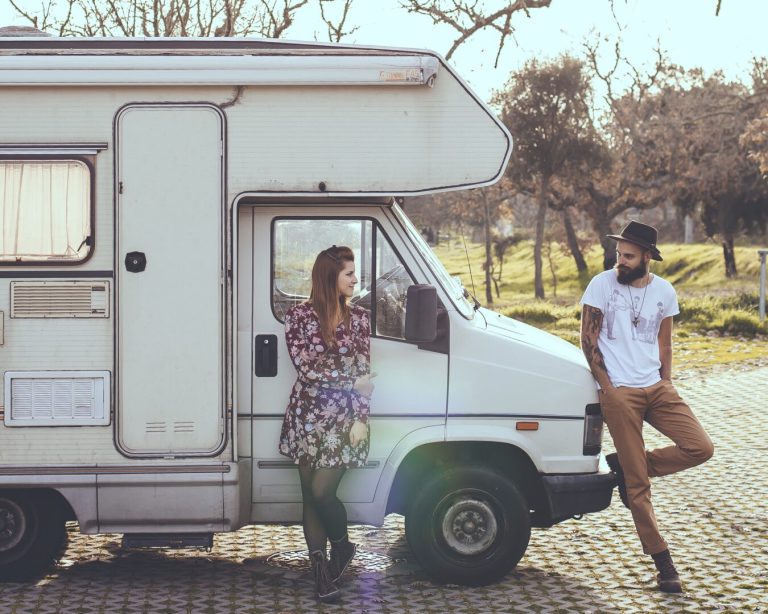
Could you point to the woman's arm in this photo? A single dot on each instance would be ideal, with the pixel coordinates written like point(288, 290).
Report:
point(361, 404)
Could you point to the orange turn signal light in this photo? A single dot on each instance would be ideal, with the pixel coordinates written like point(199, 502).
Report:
point(527, 426)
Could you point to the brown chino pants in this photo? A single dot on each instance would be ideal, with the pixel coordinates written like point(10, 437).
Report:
point(624, 410)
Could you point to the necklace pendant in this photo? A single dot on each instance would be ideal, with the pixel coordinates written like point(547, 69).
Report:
point(635, 322)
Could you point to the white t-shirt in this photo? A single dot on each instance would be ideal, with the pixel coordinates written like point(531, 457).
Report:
point(631, 352)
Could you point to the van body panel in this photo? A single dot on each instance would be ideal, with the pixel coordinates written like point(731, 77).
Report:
point(380, 141)
point(556, 447)
point(522, 371)
point(165, 503)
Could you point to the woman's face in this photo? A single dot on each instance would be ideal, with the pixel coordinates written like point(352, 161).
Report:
point(347, 279)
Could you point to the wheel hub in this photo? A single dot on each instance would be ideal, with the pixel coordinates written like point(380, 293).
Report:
point(13, 524)
point(469, 526)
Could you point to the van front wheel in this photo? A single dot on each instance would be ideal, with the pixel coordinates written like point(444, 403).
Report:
point(468, 526)
point(32, 535)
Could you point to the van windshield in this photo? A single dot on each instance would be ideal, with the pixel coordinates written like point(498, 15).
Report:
point(450, 284)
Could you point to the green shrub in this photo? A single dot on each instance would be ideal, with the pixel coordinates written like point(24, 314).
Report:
point(740, 323)
point(535, 313)
point(699, 311)
point(744, 301)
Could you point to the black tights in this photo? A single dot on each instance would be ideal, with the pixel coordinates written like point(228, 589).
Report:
point(324, 515)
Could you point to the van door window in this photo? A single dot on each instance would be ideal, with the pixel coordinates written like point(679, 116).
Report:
point(384, 279)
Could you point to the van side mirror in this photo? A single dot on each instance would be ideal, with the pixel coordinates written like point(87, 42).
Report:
point(421, 313)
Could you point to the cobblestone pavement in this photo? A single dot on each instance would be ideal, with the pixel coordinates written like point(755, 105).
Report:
point(714, 517)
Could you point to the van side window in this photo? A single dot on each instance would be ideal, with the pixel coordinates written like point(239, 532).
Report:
point(46, 211)
point(384, 280)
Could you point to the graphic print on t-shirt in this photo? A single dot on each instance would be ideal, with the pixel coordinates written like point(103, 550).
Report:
point(616, 303)
point(650, 328)
point(643, 329)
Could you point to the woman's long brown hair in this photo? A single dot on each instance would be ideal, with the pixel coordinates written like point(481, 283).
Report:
point(326, 300)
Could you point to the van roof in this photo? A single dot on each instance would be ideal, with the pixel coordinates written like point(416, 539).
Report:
point(53, 45)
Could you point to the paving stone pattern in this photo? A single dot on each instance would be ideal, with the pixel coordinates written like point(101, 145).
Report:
point(714, 517)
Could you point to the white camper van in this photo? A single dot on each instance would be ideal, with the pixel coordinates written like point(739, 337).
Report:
point(162, 201)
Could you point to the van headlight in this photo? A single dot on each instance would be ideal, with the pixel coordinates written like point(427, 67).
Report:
point(593, 429)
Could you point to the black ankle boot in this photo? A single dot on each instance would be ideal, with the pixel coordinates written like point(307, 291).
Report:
point(325, 589)
point(342, 553)
point(667, 578)
point(613, 463)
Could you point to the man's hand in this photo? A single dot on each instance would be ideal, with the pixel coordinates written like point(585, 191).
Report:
point(364, 385)
point(358, 433)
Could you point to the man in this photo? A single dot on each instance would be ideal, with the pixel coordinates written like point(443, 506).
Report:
point(632, 364)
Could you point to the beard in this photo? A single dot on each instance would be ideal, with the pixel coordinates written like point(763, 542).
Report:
point(626, 275)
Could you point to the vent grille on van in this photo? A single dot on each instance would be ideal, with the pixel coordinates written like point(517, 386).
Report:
point(183, 427)
point(60, 299)
point(162, 427)
point(156, 427)
point(47, 398)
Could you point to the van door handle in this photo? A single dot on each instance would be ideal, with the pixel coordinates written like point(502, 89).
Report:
point(135, 262)
point(265, 355)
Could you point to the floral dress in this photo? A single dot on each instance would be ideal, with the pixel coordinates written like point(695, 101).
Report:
point(323, 405)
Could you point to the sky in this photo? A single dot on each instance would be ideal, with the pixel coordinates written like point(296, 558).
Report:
point(688, 30)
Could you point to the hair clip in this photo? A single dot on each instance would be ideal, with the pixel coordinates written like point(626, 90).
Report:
point(328, 253)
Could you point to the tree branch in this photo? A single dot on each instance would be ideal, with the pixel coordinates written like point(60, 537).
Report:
point(463, 16)
point(336, 29)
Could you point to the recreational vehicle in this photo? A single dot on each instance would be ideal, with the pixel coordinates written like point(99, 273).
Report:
point(162, 201)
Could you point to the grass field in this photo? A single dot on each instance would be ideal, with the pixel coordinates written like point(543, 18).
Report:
point(718, 325)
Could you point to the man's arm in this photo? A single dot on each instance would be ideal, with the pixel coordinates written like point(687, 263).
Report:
point(591, 320)
point(665, 348)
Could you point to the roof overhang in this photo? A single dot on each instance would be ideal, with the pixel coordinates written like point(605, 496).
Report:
point(178, 70)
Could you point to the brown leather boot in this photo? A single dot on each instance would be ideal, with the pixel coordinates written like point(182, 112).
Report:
point(342, 553)
point(667, 578)
point(325, 589)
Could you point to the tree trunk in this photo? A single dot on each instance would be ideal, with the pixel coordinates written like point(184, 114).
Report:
point(552, 269)
point(573, 243)
point(603, 228)
point(730, 256)
point(488, 250)
point(541, 216)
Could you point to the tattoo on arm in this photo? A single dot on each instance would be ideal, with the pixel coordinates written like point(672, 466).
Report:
point(591, 321)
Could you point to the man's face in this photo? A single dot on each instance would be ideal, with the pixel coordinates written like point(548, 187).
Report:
point(631, 262)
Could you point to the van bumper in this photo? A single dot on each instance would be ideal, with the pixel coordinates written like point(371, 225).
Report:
point(570, 495)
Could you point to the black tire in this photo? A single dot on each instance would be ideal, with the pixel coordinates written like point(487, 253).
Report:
point(32, 534)
point(468, 526)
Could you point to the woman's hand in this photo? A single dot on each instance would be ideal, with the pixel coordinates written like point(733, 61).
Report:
point(364, 385)
point(358, 433)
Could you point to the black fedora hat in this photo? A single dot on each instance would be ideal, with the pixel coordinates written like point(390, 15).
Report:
point(639, 234)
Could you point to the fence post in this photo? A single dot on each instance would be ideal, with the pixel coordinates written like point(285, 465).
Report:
point(762, 253)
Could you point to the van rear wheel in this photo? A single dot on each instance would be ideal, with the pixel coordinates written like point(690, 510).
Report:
point(32, 535)
point(468, 526)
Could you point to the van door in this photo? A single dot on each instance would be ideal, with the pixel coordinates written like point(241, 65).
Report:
point(170, 383)
point(411, 386)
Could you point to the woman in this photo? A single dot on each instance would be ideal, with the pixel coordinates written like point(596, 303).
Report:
point(325, 429)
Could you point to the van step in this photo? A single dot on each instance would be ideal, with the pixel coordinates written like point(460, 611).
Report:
point(168, 540)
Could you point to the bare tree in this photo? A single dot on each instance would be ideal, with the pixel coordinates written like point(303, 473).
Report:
point(546, 106)
point(266, 18)
point(336, 28)
point(468, 17)
point(643, 159)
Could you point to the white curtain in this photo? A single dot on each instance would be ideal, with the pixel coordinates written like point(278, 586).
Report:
point(45, 208)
